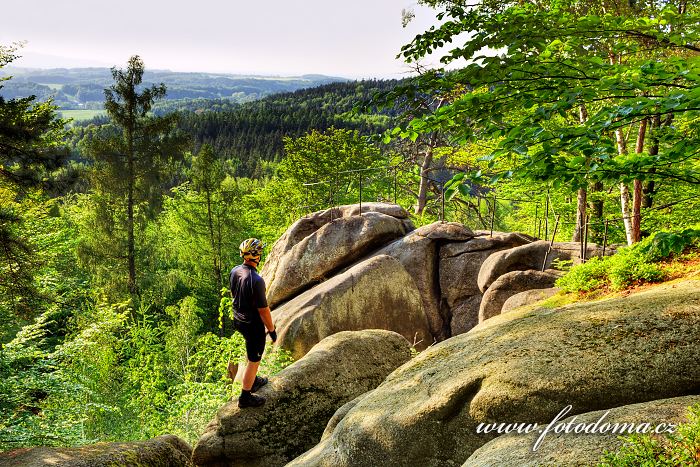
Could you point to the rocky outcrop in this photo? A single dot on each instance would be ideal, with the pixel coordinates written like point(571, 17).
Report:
point(581, 448)
point(450, 265)
point(528, 298)
point(310, 223)
point(163, 451)
point(531, 256)
point(329, 248)
point(374, 294)
point(523, 366)
point(419, 253)
point(459, 267)
point(510, 284)
point(300, 400)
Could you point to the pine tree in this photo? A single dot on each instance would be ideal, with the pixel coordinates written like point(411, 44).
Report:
point(132, 157)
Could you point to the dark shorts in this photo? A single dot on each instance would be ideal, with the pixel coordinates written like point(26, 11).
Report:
point(254, 335)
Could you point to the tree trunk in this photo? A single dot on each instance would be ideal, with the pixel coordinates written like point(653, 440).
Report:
point(597, 205)
point(582, 195)
point(650, 189)
point(624, 190)
point(216, 260)
point(581, 204)
point(637, 194)
point(131, 179)
point(424, 171)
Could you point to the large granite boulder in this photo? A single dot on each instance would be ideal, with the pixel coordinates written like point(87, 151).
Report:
point(163, 451)
point(331, 247)
point(300, 400)
point(459, 265)
point(581, 448)
point(419, 253)
point(531, 256)
point(465, 314)
point(376, 293)
point(523, 366)
point(310, 223)
point(510, 284)
point(528, 298)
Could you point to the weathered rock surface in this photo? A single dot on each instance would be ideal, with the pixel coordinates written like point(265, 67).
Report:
point(300, 400)
point(418, 252)
point(465, 315)
point(374, 294)
point(523, 366)
point(163, 451)
point(531, 256)
point(310, 223)
point(580, 449)
point(528, 298)
point(460, 263)
point(510, 284)
point(338, 416)
point(325, 250)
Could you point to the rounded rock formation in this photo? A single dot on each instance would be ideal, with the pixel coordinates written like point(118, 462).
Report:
point(510, 284)
point(374, 294)
point(300, 400)
point(333, 246)
point(576, 449)
point(523, 366)
point(163, 451)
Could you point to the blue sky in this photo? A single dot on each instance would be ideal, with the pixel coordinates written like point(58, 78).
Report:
point(355, 39)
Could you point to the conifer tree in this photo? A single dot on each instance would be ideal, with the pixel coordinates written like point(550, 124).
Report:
point(132, 157)
point(30, 148)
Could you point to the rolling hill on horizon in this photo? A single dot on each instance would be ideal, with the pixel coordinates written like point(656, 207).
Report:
point(83, 88)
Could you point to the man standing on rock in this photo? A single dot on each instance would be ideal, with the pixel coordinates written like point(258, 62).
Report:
point(251, 318)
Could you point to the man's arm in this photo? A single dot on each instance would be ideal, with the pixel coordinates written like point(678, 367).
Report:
point(266, 318)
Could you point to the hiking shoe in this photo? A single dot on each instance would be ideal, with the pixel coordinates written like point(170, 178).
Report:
point(250, 400)
point(258, 383)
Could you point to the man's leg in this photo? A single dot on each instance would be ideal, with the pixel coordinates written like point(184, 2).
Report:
point(251, 370)
point(255, 346)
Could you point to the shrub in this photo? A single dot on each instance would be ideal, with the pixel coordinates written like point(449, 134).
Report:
point(631, 266)
point(585, 277)
point(663, 244)
point(678, 449)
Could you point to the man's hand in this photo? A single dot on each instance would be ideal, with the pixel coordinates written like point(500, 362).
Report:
point(273, 335)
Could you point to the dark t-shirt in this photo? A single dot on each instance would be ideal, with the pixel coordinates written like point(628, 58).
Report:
point(248, 291)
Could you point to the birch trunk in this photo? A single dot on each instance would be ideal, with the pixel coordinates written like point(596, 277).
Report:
point(624, 190)
point(637, 194)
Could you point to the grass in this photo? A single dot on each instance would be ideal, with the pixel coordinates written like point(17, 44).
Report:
point(78, 115)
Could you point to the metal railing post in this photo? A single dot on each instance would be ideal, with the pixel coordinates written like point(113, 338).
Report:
point(551, 243)
point(605, 237)
point(493, 214)
point(546, 216)
point(442, 209)
point(360, 174)
point(585, 242)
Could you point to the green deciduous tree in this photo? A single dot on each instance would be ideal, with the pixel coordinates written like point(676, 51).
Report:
point(561, 86)
point(331, 161)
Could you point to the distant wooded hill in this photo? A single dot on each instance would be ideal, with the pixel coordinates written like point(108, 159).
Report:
point(250, 134)
point(83, 88)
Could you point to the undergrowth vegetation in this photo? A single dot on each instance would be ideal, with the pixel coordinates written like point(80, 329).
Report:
point(654, 259)
point(677, 449)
